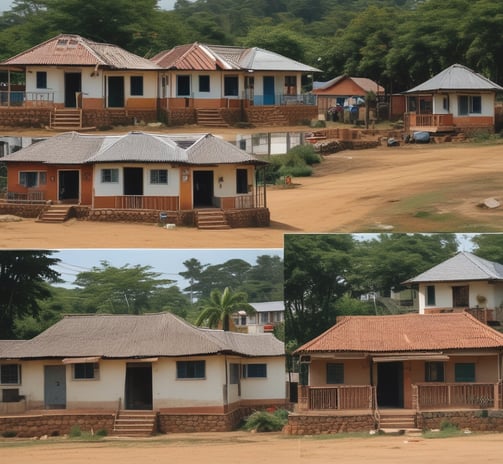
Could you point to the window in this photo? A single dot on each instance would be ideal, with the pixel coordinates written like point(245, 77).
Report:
point(204, 83)
point(469, 104)
point(234, 374)
point(264, 318)
point(430, 295)
point(231, 86)
point(183, 86)
point(32, 178)
point(85, 371)
point(136, 85)
point(159, 176)
point(190, 369)
point(460, 296)
point(41, 79)
point(335, 373)
point(434, 372)
point(290, 85)
point(109, 176)
point(10, 374)
point(464, 372)
point(254, 371)
point(241, 181)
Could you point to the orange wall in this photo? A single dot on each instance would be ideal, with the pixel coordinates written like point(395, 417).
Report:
point(344, 88)
point(185, 189)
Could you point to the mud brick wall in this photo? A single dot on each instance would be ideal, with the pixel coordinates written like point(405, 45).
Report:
point(180, 218)
point(22, 210)
point(298, 114)
point(55, 424)
point(181, 116)
point(24, 117)
point(258, 217)
point(188, 423)
point(106, 118)
point(476, 421)
point(317, 425)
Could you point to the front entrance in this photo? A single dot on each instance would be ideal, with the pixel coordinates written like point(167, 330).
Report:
point(68, 191)
point(55, 387)
point(133, 181)
point(73, 85)
point(203, 189)
point(390, 384)
point(138, 392)
point(115, 92)
point(268, 83)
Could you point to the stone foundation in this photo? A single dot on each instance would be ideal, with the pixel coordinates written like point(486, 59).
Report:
point(477, 420)
point(299, 424)
point(22, 209)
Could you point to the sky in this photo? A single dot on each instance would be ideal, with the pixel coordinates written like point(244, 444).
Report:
point(163, 4)
point(168, 262)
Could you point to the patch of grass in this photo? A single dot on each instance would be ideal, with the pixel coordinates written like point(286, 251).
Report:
point(447, 429)
point(9, 434)
point(265, 421)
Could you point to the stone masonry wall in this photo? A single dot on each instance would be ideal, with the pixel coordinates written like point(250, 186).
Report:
point(476, 421)
point(323, 424)
point(22, 210)
point(248, 217)
point(24, 117)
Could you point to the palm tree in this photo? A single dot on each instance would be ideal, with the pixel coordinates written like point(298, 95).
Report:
point(221, 306)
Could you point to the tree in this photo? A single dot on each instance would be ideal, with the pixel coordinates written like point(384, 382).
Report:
point(23, 279)
point(221, 306)
point(193, 275)
point(489, 246)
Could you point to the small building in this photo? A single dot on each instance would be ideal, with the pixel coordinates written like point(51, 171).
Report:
point(266, 317)
point(455, 100)
point(400, 371)
point(179, 175)
point(107, 365)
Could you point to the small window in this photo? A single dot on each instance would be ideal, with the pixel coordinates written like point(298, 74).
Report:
point(476, 104)
point(464, 372)
point(290, 85)
point(136, 85)
point(264, 318)
point(335, 373)
point(254, 371)
point(183, 86)
point(159, 176)
point(234, 374)
point(85, 371)
point(241, 181)
point(190, 369)
point(10, 374)
point(109, 176)
point(231, 86)
point(430, 295)
point(434, 372)
point(204, 83)
point(41, 79)
point(32, 178)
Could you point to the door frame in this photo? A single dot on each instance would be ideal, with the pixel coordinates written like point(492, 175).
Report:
point(61, 174)
point(50, 389)
point(138, 386)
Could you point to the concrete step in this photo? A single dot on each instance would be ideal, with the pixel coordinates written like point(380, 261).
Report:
point(134, 423)
point(211, 219)
point(55, 214)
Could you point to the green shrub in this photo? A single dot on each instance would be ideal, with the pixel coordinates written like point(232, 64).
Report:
point(9, 434)
point(296, 171)
point(263, 421)
point(75, 431)
point(102, 433)
point(306, 153)
point(446, 426)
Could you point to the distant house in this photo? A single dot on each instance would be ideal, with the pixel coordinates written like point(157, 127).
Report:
point(73, 83)
point(96, 365)
point(266, 317)
point(399, 371)
point(463, 282)
point(218, 84)
point(344, 92)
point(140, 171)
point(455, 100)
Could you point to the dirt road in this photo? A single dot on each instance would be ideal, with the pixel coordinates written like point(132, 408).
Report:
point(246, 448)
point(413, 188)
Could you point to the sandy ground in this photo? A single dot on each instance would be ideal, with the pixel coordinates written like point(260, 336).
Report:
point(413, 188)
point(246, 448)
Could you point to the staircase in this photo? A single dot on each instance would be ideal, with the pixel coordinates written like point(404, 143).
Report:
point(210, 117)
point(211, 219)
point(55, 214)
point(66, 119)
point(394, 422)
point(135, 423)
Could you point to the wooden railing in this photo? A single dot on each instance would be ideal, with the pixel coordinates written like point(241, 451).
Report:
point(340, 397)
point(456, 395)
point(429, 120)
point(146, 202)
point(32, 196)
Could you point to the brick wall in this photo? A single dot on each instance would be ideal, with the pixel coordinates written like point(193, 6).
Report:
point(257, 217)
point(476, 421)
point(22, 210)
point(24, 117)
point(316, 425)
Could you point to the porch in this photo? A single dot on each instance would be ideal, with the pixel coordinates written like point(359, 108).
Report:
point(429, 122)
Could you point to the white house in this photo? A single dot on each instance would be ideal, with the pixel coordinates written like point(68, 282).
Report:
point(267, 315)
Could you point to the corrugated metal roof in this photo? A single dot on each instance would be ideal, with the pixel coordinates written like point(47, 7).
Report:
point(464, 267)
point(128, 336)
point(74, 50)
point(405, 333)
point(456, 77)
point(267, 306)
point(140, 147)
point(200, 57)
point(366, 84)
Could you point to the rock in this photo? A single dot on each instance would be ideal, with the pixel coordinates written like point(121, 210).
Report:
point(491, 203)
point(9, 218)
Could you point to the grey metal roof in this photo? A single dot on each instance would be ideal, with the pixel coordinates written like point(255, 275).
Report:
point(258, 59)
point(268, 306)
point(462, 267)
point(139, 147)
point(146, 335)
point(456, 77)
point(9, 344)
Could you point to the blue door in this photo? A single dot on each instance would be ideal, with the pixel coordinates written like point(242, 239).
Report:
point(269, 90)
point(55, 387)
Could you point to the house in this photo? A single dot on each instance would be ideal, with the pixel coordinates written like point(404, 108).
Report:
point(174, 174)
point(400, 371)
point(267, 316)
point(72, 82)
point(218, 84)
point(110, 364)
point(344, 92)
point(455, 100)
point(464, 282)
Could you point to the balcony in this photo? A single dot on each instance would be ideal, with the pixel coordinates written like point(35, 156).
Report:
point(22, 99)
point(340, 397)
point(429, 122)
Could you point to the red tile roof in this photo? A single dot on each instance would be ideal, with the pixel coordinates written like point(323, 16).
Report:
point(403, 333)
